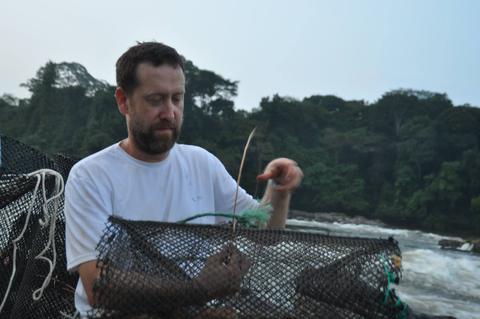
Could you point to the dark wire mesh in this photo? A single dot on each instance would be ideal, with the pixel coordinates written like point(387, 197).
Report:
point(16, 190)
point(164, 270)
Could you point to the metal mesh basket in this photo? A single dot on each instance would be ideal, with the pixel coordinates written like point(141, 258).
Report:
point(16, 193)
point(164, 270)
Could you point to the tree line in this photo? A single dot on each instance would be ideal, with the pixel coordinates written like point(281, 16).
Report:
point(411, 158)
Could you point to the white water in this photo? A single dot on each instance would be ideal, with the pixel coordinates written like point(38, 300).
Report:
point(435, 281)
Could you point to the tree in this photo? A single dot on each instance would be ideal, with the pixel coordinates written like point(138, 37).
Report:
point(394, 108)
point(441, 203)
point(410, 158)
point(475, 204)
point(417, 146)
point(338, 188)
point(458, 131)
point(44, 80)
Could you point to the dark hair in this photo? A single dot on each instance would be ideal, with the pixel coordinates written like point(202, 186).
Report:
point(151, 52)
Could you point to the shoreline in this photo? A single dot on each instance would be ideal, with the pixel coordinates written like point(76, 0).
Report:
point(331, 217)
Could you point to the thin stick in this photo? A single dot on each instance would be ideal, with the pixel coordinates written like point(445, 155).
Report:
point(238, 180)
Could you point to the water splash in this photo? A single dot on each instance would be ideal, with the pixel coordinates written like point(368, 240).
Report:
point(435, 281)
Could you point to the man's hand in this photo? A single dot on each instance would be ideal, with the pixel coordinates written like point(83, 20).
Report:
point(223, 273)
point(285, 174)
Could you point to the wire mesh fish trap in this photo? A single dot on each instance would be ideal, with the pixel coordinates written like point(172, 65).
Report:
point(21, 273)
point(164, 270)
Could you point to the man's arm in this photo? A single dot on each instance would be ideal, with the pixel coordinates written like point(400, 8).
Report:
point(221, 276)
point(283, 176)
point(89, 272)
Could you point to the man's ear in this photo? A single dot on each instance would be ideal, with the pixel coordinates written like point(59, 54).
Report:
point(121, 98)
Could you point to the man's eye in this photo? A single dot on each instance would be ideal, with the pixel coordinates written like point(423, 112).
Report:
point(155, 100)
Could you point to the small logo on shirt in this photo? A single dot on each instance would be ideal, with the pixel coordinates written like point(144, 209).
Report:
point(196, 198)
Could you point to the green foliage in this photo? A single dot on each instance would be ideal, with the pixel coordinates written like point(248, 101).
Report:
point(411, 158)
point(458, 130)
point(475, 204)
point(336, 188)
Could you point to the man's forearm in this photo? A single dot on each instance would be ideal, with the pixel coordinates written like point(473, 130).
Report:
point(130, 290)
point(280, 202)
point(133, 292)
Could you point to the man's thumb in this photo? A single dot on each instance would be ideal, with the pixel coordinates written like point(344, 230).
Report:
point(268, 174)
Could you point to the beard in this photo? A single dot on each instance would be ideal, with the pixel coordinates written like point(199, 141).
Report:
point(152, 142)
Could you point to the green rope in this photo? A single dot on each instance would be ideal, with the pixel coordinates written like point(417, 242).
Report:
point(404, 313)
point(252, 218)
point(390, 279)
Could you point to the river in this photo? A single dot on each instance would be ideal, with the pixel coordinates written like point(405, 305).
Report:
point(435, 281)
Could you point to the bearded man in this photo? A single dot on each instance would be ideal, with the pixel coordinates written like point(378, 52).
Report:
point(149, 176)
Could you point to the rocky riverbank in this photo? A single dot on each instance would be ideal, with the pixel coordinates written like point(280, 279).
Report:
point(333, 217)
point(468, 245)
point(461, 245)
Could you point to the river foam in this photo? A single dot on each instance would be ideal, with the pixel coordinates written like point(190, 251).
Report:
point(435, 281)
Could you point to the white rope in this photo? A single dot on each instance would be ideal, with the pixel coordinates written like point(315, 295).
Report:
point(59, 186)
point(47, 219)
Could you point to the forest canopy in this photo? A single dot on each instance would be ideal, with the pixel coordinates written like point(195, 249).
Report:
point(411, 158)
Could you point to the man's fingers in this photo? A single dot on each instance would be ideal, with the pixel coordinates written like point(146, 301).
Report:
point(240, 264)
point(235, 257)
point(264, 176)
point(289, 179)
point(220, 257)
point(214, 259)
point(292, 178)
point(268, 174)
point(244, 265)
point(237, 260)
point(284, 172)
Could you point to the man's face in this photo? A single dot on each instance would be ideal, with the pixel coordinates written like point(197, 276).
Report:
point(155, 108)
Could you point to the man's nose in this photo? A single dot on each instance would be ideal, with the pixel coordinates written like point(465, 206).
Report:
point(168, 110)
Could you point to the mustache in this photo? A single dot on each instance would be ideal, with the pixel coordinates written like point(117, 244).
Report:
point(164, 124)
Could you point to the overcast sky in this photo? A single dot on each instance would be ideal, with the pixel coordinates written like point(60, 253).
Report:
point(353, 49)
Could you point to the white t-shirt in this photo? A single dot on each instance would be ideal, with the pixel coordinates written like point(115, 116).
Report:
point(189, 181)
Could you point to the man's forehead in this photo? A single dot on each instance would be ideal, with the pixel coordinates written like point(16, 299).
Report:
point(164, 73)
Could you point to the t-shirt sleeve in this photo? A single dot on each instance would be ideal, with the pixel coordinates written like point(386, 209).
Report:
point(225, 187)
point(86, 211)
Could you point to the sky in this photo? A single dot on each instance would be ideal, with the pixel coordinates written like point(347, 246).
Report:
point(357, 50)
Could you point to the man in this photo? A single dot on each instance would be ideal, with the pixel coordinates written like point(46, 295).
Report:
point(148, 176)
